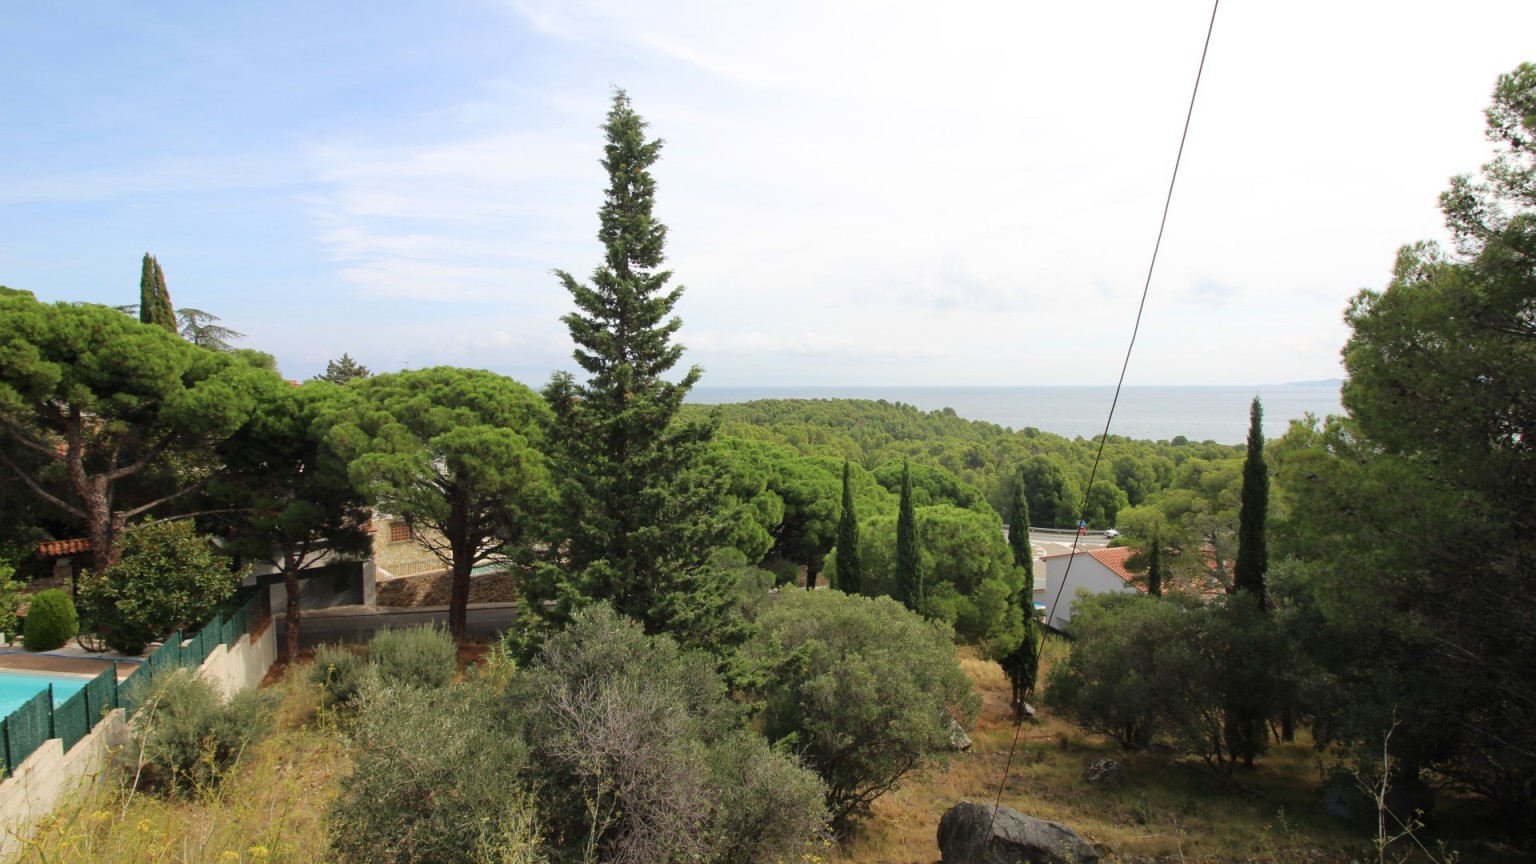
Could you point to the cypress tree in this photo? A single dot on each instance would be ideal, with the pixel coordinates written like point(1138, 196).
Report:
point(1155, 567)
point(154, 297)
point(1244, 727)
point(850, 570)
point(635, 527)
point(1252, 555)
point(1022, 664)
point(909, 564)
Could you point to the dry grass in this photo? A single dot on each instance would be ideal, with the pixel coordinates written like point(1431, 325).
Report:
point(269, 810)
point(1165, 810)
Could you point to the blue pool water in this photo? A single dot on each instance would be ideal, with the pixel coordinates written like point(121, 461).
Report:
point(17, 687)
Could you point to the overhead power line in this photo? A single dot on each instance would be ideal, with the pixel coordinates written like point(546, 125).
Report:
point(1124, 366)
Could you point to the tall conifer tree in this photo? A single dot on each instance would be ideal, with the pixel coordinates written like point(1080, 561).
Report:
point(1155, 566)
point(909, 563)
point(1252, 553)
point(154, 297)
point(1244, 728)
point(850, 570)
point(1022, 664)
point(635, 527)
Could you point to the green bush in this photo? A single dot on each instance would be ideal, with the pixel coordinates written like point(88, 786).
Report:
point(435, 774)
point(424, 656)
point(339, 674)
point(10, 598)
point(1170, 670)
point(167, 578)
point(51, 620)
point(861, 688)
point(638, 753)
point(189, 737)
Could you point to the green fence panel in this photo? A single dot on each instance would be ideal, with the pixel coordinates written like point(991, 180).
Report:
point(72, 719)
point(28, 727)
point(169, 655)
point(101, 695)
point(131, 692)
point(5, 745)
point(228, 633)
point(202, 644)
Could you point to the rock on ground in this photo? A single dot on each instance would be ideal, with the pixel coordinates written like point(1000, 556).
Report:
point(970, 834)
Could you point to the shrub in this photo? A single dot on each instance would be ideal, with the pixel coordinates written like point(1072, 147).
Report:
point(639, 754)
point(435, 774)
point(339, 675)
point(423, 656)
point(10, 598)
point(862, 688)
point(189, 737)
point(166, 578)
point(51, 620)
point(1169, 670)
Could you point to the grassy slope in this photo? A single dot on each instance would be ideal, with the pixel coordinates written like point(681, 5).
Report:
point(1164, 811)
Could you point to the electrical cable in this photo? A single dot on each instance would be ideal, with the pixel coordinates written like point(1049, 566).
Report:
point(1124, 366)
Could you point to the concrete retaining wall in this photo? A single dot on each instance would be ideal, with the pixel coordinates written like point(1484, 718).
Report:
point(49, 777)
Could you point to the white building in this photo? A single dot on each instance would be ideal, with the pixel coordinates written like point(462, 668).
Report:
point(1095, 571)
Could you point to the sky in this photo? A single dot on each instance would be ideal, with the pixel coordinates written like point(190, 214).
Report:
point(858, 193)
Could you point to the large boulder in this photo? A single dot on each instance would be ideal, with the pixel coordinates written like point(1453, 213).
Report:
point(971, 834)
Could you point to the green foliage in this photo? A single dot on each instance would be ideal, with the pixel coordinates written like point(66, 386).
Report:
point(10, 598)
point(423, 656)
point(339, 675)
point(637, 753)
point(198, 327)
point(969, 577)
point(286, 493)
point(167, 579)
point(861, 688)
point(51, 620)
point(850, 571)
point(1411, 518)
point(1170, 670)
point(908, 587)
point(1252, 551)
point(434, 780)
point(144, 407)
point(637, 525)
point(154, 297)
point(344, 369)
point(1021, 661)
point(932, 485)
point(188, 737)
point(1052, 492)
point(455, 453)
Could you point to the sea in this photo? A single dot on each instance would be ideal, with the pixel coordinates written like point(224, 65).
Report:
point(1162, 413)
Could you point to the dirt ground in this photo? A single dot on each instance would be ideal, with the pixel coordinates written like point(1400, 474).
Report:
point(432, 589)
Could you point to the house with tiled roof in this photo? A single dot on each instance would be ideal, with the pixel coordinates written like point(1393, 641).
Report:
point(1094, 571)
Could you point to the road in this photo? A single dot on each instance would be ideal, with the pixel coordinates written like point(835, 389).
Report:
point(1051, 541)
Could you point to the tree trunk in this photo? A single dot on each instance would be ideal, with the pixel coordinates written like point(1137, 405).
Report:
point(458, 603)
point(291, 619)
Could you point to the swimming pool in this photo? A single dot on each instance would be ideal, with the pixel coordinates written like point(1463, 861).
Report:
point(17, 687)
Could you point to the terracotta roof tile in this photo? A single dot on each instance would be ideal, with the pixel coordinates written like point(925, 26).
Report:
point(61, 548)
point(1114, 560)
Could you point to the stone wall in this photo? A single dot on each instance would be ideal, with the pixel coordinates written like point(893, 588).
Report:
point(399, 553)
